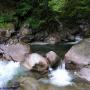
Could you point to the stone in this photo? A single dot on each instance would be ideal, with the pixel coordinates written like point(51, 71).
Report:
point(15, 52)
point(84, 73)
point(28, 83)
point(53, 59)
point(78, 58)
point(53, 38)
point(79, 53)
point(37, 60)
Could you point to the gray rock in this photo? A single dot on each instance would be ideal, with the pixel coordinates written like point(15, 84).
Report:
point(28, 83)
point(79, 53)
point(14, 52)
point(84, 73)
point(35, 60)
point(53, 38)
point(53, 59)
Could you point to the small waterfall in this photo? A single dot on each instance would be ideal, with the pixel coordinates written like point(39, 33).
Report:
point(7, 71)
point(77, 40)
point(60, 76)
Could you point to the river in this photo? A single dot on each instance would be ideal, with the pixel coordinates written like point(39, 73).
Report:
point(60, 49)
point(28, 82)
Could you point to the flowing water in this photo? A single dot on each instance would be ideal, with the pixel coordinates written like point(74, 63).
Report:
point(60, 76)
point(7, 71)
point(59, 79)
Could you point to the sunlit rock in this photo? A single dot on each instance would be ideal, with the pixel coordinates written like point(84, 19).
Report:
point(15, 52)
point(40, 63)
point(35, 59)
point(53, 59)
point(79, 55)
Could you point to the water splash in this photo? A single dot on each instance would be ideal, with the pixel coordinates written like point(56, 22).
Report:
point(60, 76)
point(7, 71)
point(77, 40)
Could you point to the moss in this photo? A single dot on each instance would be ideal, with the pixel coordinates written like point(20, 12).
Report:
point(6, 26)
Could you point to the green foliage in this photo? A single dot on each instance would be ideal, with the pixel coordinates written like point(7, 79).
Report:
point(6, 26)
point(6, 18)
point(34, 12)
point(23, 7)
point(34, 22)
point(46, 14)
point(57, 5)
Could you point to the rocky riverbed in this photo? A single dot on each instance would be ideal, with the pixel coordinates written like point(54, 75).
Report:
point(28, 80)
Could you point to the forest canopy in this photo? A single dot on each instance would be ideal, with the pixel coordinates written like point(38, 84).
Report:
point(43, 14)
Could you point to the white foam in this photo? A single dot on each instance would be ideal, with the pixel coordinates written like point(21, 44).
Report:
point(39, 43)
point(7, 71)
point(77, 40)
point(60, 76)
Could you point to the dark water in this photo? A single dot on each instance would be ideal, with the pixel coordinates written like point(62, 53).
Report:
point(60, 49)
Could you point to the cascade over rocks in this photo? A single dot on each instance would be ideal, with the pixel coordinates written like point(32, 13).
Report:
point(31, 61)
point(37, 62)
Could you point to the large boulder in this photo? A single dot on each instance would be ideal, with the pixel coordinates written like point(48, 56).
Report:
point(15, 52)
point(53, 59)
point(35, 59)
point(79, 55)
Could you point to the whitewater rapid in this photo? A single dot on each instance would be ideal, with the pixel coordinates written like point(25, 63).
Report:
point(59, 77)
point(7, 71)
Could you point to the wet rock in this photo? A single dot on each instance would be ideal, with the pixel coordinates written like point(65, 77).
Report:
point(14, 52)
point(36, 62)
point(79, 53)
point(78, 57)
point(53, 59)
point(71, 66)
point(28, 83)
point(84, 73)
point(53, 38)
